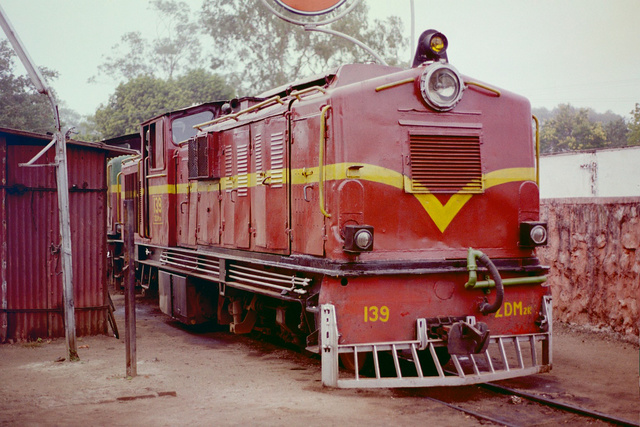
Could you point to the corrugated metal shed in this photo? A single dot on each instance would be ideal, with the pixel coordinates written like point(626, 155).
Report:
point(30, 269)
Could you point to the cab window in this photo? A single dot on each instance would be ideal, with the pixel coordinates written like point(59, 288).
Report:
point(182, 127)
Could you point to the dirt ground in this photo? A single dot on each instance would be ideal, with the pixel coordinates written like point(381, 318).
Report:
point(190, 377)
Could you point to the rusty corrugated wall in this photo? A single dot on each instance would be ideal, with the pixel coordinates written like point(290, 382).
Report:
point(31, 293)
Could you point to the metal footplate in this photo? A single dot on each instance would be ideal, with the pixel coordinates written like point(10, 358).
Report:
point(507, 356)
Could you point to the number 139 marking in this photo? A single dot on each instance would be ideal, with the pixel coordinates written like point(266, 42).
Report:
point(374, 313)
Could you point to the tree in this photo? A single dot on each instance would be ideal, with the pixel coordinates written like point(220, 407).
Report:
point(84, 127)
point(21, 105)
point(616, 131)
point(633, 137)
point(144, 97)
point(568, 128)
point(260, 51)
point(177, 51)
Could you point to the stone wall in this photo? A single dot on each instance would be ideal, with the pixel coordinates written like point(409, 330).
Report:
point(594, 255)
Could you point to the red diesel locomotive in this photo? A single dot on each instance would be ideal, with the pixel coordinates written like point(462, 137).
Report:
point(382, 217)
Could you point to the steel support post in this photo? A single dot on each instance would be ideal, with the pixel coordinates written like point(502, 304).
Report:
point(65, 249)
point(130, 291)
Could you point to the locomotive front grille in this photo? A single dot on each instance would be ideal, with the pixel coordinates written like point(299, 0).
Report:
point(507, 356)
point(445, 164)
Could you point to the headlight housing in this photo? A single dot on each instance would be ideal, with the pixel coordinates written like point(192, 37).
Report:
point(441, 86)
point(533, 234)
point(358, 238)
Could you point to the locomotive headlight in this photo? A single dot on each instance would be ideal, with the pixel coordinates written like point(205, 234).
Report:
point(441, 86)
point(363, 239)
point(538, 234)
point(432, 46)
point(358, 238)
point(438, 43)
point(533, 234)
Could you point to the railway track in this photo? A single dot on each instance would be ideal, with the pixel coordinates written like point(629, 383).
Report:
point(523, 408)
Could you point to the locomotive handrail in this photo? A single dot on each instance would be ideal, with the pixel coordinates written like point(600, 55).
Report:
point(235, 116)
point(535, 119)
point(119, 192)
point(480, 85)
point(394, 84)
point(298, 93)
point(157, 175)
point(323, 131)
point(131, 159)
point(144, 231)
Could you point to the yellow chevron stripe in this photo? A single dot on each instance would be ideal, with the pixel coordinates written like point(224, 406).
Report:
point(441, 214)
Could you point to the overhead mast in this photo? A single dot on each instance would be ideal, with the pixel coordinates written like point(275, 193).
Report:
point(59, 139)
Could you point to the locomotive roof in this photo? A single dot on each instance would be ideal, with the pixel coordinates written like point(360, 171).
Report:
point(217, 104)
point(340, 76)
point(315, 80)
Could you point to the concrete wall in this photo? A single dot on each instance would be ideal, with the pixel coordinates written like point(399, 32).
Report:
point(597, 173)
point(594, 255)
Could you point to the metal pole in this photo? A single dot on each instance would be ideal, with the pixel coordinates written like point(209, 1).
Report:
point(65, 251)
point(3, 248)
point(349, 38)
point(412, 35)
point(130, 291)
point(63, 187)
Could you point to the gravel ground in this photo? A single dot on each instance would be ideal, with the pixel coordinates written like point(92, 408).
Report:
point(186, 376)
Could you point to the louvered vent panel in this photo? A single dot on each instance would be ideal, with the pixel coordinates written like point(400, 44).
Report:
point(228, 169)
point(257, 142)
point(277, 160)
point(445, 164)
point(243, 169)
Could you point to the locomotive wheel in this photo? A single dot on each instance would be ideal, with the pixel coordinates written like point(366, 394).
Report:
point(427, 362)
point(348, 361)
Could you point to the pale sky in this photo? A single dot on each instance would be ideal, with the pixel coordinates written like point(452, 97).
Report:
point(582, 52)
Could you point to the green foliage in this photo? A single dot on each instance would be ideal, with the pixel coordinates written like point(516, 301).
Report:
point(567, 128)
point(176, 52)
point(616, 131)
point(259, 51)
point(144, 97)
point(84, 126)
point(633, 137)
point(21, 105)
point(156, 75)
point(253, 48)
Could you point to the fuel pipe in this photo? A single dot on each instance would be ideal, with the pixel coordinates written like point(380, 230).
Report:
point(472, 267)
point(497, 281)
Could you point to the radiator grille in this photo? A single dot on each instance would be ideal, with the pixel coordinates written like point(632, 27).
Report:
point(204, 160)
point(445, 164)
point(198, 160)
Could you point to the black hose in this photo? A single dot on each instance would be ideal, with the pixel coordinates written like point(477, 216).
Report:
point(485, 307)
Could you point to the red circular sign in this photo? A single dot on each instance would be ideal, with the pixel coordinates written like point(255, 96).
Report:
point(310, 7)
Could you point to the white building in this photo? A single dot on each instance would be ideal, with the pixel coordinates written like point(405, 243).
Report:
point(595, 173)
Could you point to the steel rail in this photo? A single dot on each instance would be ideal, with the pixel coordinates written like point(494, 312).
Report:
point(559, 405)
point(473, 413)
point(541, 400)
